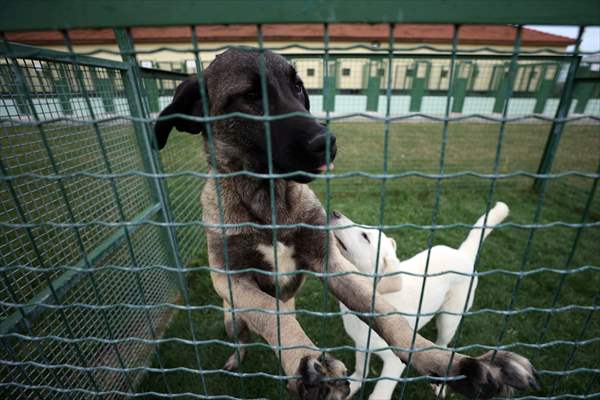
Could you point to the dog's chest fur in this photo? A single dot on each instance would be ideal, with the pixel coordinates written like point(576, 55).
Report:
point(246, 200)
point(281, 258)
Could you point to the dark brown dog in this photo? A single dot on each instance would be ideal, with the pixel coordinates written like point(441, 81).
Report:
point(233, 84)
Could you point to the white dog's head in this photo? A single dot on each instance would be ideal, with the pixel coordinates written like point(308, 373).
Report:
point(359, 246)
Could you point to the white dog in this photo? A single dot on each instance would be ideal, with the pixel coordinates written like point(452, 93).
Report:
point(447, 292)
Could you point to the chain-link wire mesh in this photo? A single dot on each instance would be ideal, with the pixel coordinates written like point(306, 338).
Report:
point(73, 265)
point(105, 289)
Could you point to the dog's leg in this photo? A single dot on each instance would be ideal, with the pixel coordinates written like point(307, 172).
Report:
point(388, 284)
point(392, 368)
point(484, 378)
point(297, 356)
point(359, 368)
point(240, 330)
point(291, 304)
point(446, 328)
point(450, 312)
point(447, 324)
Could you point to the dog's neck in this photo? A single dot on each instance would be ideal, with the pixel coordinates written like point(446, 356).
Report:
point(256, 196)
point(253, 194)
point(248, 199)
point(232, 158)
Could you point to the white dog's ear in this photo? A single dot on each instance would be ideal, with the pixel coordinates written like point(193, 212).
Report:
point(393, 243)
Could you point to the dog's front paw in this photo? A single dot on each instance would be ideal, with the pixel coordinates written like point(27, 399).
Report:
point(323, 378)
point(488, 376)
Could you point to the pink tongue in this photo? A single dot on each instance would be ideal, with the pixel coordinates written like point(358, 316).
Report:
point(323, 167)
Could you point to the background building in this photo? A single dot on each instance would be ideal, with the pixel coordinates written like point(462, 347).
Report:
point(352, 75)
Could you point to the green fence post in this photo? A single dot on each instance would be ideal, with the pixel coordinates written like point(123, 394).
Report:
point(420, 75)
point(558, 124)
point(464, 75)
point(496, 79)
point(109, 86)
point(549, 74)
point(143, 130)
point(373, 83)
point(587, 86)
point(23, 106)
point(63, 89)
point(152, 94)
point(583, 92)
point(49, 80)
point(330, 84)
point(104, 88)
point(132, 83)
point(503, 89)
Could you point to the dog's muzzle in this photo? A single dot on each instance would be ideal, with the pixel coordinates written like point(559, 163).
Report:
point(318, 147)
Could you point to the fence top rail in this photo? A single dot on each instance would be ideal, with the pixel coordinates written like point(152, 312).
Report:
point(67, 14)
point(24, 51)
point(155, 73)
point(18, 50)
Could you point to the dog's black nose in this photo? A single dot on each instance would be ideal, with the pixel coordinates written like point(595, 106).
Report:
point(318, 145)
point(336, 214)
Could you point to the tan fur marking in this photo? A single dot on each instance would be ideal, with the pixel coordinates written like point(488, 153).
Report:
point(285, 260)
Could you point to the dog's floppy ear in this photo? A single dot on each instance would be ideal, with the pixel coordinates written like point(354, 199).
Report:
point(306, 99)
point(186, 101)
point(393, 243)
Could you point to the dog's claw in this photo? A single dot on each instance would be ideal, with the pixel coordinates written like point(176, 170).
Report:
point(319, 378)
point(491, 375)
point(233, 362)
point(533, 382)
point(439, 390)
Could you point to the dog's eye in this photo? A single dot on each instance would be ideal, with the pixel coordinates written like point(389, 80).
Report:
point(364, 235)
point(298, 86)
point(252, 95)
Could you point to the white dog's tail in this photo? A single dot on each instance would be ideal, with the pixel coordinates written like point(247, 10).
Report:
point(495, 216)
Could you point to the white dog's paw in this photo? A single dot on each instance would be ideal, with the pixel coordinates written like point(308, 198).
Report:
point(355, 384)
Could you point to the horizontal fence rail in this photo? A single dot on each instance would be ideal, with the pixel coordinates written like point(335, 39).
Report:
point(115, 13)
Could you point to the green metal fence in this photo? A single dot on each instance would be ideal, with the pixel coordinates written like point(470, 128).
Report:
point(104, 288)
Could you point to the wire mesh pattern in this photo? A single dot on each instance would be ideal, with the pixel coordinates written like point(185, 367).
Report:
point(103, 238)
point(62, 148)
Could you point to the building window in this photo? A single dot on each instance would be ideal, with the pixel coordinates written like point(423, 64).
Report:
point(146, 63)
point(345, 71)
point(310, 72)
point(190, 66)
point(380, 72)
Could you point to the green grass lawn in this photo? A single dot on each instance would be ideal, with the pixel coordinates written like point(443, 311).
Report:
point(470, 147)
